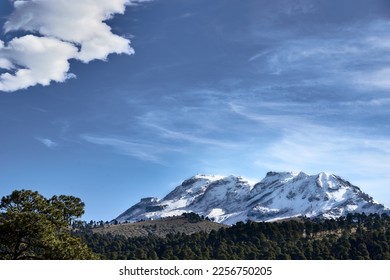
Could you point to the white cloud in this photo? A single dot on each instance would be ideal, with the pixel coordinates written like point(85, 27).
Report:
point(5, 64)
point(68, 29)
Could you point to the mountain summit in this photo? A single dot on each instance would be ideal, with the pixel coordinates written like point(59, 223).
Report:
point(279, 195)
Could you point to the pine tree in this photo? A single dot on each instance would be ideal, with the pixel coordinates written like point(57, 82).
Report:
point(33, 227)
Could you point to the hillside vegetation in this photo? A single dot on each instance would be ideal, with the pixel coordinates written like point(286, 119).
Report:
point(187, 224)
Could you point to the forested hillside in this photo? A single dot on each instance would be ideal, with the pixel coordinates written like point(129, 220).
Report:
point(356, 236)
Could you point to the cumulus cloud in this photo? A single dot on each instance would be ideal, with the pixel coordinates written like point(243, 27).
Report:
point(60, 30)
point(35, 60)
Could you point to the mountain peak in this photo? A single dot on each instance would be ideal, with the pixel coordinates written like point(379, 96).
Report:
point(284, 176)
point(229, 199)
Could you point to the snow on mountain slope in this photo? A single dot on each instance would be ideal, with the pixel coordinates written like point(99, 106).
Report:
point(279, 195)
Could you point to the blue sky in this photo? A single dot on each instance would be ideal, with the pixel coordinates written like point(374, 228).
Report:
point(114, 101)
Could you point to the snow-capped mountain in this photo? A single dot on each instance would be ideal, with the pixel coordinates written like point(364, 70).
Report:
point(279, 195)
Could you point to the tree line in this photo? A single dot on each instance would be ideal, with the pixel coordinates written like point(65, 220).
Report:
point(356, 236)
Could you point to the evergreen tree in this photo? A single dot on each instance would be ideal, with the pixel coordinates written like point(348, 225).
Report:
point(33, 227)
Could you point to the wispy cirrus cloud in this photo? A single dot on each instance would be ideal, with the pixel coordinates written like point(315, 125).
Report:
point(377, 79)
point(47, 142)
point(352, 55)
point(60, 30)
point(151, 152)
point(193, 138)
point(301, 143)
